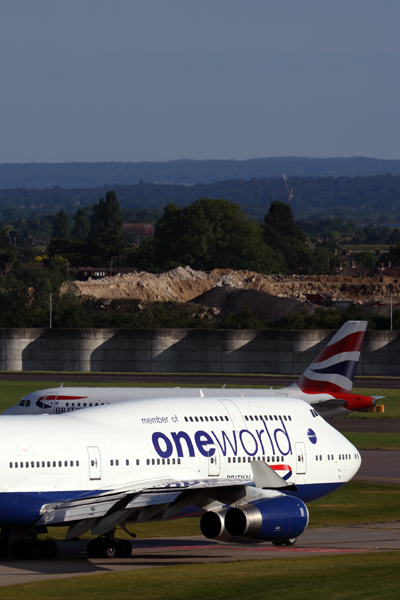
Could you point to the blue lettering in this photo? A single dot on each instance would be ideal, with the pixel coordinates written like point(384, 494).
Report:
point(285, 434)
point(259, 434)
point(270, 439)
point(155, 438)
point(177, 439)
point(241, 434)
point(203, 439)
point(226, 439)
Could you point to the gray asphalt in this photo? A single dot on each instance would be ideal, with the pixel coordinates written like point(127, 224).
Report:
point(152, 553)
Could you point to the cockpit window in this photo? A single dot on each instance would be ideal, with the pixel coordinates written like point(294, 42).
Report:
point(28, 403)
point(22, 403)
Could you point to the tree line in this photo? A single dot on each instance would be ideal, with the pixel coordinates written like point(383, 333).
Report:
point(362, 199)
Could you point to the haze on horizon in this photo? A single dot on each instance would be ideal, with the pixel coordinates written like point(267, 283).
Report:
point(129, 80)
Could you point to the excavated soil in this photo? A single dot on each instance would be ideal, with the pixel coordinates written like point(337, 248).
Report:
point(184, 284)
point(229, 301)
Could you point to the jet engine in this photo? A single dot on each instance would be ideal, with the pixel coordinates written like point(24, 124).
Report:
point(273, 519)
point(212, 525)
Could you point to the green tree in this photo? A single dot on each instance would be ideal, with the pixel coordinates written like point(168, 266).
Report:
point(82, 225)
point(211, 234)
point(107, 214)
point(282, 233)
point(60, 229)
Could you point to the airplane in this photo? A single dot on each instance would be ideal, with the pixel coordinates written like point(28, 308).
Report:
point(326, 384)
point(248, 467)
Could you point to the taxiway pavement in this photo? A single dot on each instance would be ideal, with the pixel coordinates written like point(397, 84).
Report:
point(153, 553)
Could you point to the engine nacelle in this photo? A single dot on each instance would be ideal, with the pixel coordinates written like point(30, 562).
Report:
point(272, 519)
point(212, 525)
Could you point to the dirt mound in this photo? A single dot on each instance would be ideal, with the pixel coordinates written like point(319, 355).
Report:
point(264, 306)
point(184, 283)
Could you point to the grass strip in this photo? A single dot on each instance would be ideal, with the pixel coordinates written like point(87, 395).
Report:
point(374, 441)
point(353, 576)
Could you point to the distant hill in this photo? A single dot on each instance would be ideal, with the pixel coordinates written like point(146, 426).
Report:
point(186, 172)
point(363, 199)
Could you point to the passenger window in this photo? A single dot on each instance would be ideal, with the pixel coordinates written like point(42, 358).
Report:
point(206, 418)
point(147, 462)
point(173, 461)
point(16, 465)
point(60, 463)
point(191, 419)
point(27, 465)
point(251, 418)
point(179, 461)
point(284, 418)
point(196, 419)
point(226, 418)
point(238, 459)
point(153, 462)
point(111, 463)
point(65, 463)
point(273, 459)
point(71, 463)
point(246, 418)
point(186, 419)
point(201, 419)
point(127, 462)
point(137, 461)
point(11, 465)
point(211, 419)
point(158, 461)
point(117, 463)
point(77, 463)
point(32, 465)
point(48, 463)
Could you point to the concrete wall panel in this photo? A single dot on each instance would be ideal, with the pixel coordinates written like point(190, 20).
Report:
point(176, 350)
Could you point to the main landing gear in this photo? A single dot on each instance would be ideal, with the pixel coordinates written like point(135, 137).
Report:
point(24, 544)
point(107, 547)
point(289, 542)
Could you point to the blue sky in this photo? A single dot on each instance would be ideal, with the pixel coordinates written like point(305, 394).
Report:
point(129, 80)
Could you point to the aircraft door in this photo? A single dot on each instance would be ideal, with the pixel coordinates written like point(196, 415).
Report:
point(301, 459)
point(49, 403)
point(94, 462)
point(213, 461)
point(235, 414)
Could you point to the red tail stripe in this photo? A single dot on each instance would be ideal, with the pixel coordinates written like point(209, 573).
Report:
point(351, 343)
point(319, 387)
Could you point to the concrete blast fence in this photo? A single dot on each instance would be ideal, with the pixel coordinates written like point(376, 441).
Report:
point(185, 350)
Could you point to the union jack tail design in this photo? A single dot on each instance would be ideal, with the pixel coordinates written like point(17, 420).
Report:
point(334, 368)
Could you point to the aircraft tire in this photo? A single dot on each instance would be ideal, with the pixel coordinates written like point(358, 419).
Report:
point(124, 549)
point(49, 549)
point(108, 549)
point(93, 549)
point(33, 550)
point(290, 542)
point(278, 543)
point(18, 550)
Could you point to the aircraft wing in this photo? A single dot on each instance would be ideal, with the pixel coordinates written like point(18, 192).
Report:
point(105, 510)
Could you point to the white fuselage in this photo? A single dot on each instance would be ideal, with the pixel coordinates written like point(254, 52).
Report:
point(47, 459)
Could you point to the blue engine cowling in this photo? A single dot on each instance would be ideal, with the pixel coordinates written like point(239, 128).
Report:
point(273, 519)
